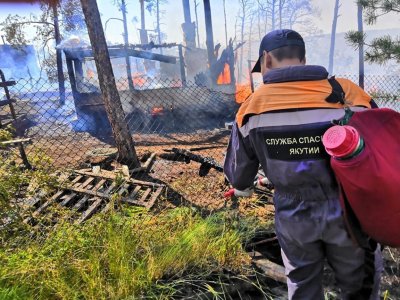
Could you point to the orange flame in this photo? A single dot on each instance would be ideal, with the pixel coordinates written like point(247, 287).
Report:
point(157, 111)
point(90, 73)
point(225, 76)
point(139, 79)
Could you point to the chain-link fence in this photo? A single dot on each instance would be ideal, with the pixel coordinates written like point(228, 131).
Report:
point(165, 117)
point(162, 116)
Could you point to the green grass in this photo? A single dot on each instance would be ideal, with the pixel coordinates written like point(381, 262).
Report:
point(126, 255)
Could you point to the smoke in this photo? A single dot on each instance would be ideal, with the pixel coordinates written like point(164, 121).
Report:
point(73, 41)
point(19, 63)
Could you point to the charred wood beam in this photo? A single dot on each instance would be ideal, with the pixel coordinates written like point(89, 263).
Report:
point(72, 79)
point(206, 162)
point(7, 83)
point(269, 268)
point(182, 66)
point(88, 53)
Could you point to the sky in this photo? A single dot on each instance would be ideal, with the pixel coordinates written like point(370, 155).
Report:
point(173, 18)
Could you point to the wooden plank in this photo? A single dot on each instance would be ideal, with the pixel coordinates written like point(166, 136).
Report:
point(90, 211)
point(154, 197)
point(107, 207)
point(5, 102)
point(45, 205)
point(270, 269)
point(131, 198)
point(68, 199)
point(99, 185)
point(272, 239)
point(78, 205)
point(77, 178)
point(121, 52)
point(11, 142)
point(7, 83)
point(135, 191)
point(111, 175)
point(144, 196)
point(87, 192)
point(123, 189)
point(86, 182)
point(146, 165)
point(109, 189)
point(32, 202)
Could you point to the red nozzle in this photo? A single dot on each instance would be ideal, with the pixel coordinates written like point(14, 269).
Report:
point(341, 141)
point(229, 193)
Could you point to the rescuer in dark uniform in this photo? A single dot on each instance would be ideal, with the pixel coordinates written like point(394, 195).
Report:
point(280, 127)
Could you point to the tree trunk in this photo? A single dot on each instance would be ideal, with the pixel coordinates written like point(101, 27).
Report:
point(280, 13)
point(226, 30)
point(112, 102)
point(273, 15)
point(126, 44)
point(333, 37)
point(361, 48)
point(240, 68)
point(197, 23)
point(250, 36)
point(60, 72)
point(259, 23)
point(158, 24)
point(143, 33)
point(209, 33)
point(189, 28)
point(142, 16)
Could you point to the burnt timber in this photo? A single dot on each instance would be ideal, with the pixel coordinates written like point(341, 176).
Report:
point(82, 53)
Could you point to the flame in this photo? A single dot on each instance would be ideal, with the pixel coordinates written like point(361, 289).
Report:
point(89, 73)
point(157, 111)
point(139, 79)
point(243, 91)
point(225, 76)
point(177, 83)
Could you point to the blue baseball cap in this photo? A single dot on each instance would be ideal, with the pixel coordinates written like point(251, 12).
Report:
point(277, 39)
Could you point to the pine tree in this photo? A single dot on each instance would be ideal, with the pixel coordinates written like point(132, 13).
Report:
point(382, 49)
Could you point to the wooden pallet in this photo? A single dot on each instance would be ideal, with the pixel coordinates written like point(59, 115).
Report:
point(87, 193)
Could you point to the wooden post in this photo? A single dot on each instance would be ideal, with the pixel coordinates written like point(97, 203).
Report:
point(112, 101)
point(60, 72)
point(72, 80)
point(78, 72)
point(182, 66)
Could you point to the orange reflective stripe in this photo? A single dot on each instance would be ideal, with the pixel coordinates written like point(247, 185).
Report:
point(299, 94)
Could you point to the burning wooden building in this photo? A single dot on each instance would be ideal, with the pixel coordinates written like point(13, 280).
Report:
point(154, 98)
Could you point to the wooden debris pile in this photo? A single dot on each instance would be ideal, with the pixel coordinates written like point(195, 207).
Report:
point(89, 191)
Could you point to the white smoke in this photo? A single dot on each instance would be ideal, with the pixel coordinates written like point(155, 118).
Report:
point(73, 41)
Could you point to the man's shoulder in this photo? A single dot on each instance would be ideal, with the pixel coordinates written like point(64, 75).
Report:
point(353, 92)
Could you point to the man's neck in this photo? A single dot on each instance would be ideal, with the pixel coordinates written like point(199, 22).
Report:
point(288, 62)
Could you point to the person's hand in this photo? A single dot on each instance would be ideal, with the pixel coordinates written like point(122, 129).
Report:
point(239, 193)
